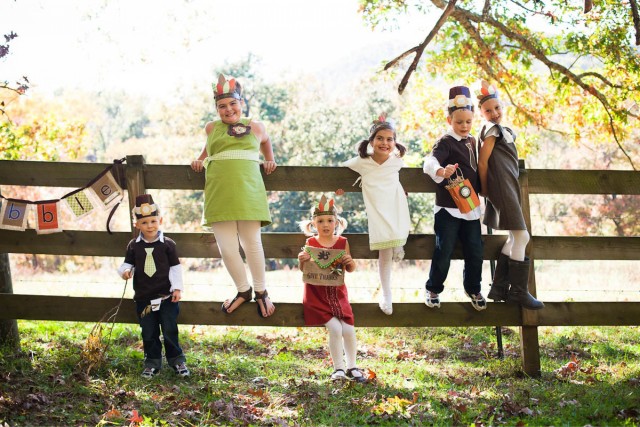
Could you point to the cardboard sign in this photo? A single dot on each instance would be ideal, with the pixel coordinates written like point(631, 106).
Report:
point(324, 268)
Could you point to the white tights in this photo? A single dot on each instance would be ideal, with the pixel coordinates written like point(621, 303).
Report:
point(229, 236)
point(516, 244)
point(342, 341)
point(385, 260)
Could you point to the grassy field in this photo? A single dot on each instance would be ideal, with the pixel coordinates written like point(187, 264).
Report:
point(279, 376)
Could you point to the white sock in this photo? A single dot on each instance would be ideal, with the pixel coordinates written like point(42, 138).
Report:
point(385, 261)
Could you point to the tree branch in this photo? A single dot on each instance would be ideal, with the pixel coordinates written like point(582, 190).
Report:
point(491, 73)
point(487, 8)
point(605, 80)
point(588, 4)
point(420, 48)
point(538, 54)
point(636, 20)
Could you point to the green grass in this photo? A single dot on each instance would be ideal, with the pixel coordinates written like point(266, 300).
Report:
point(279, 376)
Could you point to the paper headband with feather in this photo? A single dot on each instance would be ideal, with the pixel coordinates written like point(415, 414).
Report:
point(325, 207)
point(227, 88)
point(486, 91)
point(381, 121)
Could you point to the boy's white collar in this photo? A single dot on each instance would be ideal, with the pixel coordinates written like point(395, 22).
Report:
point(456, 136)
point(160, 237)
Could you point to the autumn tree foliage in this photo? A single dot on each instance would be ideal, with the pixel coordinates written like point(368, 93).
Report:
point(569, 67)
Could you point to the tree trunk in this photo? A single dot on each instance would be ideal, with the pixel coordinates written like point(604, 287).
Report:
point(9, 335)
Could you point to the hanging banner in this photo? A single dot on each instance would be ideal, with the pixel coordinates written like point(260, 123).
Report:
point(79, 203)
point(47, 218)
point(13, 215)
point(103, 190)
point(106, 189)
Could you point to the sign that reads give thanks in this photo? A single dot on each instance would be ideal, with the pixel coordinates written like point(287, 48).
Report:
point(324, 268)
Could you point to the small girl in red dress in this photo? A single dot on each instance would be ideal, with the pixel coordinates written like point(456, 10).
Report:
point(329, 305)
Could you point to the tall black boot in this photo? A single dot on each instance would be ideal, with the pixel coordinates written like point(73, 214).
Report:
point(500, 285)
point(519, 278)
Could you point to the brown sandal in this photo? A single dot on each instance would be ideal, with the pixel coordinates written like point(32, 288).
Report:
point(262, 296)
point(246, 295)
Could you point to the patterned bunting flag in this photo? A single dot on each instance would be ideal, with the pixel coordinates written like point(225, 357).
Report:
point(48, 220)
point(13, 215)
point(79, 203)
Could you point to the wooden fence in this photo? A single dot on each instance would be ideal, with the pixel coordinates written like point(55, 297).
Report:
point(138, 177)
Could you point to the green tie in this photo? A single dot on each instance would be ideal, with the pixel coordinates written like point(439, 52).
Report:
point(149, 264)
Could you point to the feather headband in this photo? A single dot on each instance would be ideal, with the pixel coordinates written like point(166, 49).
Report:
point(226, 88)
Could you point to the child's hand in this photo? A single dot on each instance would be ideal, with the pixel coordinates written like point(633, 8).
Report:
point(448, 170)
point(127, 275)
point(339, 192)
point(176, 295)
point(348, 262)
point(269, 166)
point(197, 165)
point(304, 256)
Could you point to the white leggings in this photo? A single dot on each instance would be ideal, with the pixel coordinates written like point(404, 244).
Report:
point(342, 341)
point(385, 260)
point(516, 244)
point(227, 234)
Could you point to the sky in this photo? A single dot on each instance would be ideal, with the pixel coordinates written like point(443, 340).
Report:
point(149, 46)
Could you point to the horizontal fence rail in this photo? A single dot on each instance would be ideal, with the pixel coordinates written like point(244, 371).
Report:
point(287, 245)
point(309, 178)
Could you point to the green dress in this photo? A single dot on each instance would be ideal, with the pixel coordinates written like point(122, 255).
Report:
point(233, 189)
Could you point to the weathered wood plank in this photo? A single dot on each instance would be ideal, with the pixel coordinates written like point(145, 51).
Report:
point(554, 181)
point(586, 248)
point(590, 314)
point(135, 184)
point(529, 345)
point(309, 178)
point(287, 245)
point(37, 307)
point(86, 309)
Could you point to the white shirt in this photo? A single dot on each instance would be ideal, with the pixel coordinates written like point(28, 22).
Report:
point(431, 167)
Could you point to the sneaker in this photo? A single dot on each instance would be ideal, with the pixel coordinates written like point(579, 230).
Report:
point(432, 299)
point(356, 375)
point(477, 301)
point(149, 373)
point(338, 375)
point(182, 370)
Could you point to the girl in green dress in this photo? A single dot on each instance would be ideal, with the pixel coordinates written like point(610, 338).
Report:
point(235, 198)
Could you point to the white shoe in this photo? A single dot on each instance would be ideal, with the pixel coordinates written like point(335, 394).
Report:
point(432, 300)
point(338, 375)
point(386, 307)
point(477, 301)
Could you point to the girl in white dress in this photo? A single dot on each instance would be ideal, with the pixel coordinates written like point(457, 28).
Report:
point(379, 163)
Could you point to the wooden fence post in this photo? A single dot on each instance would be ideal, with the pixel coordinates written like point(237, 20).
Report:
point(135, 183)
point(529, 344)
point(9, 334)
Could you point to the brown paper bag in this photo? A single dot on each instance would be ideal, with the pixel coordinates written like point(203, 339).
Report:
point(462, 193)
point(324, 268)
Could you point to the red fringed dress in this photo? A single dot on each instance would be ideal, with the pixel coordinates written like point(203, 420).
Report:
point(321, 303)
